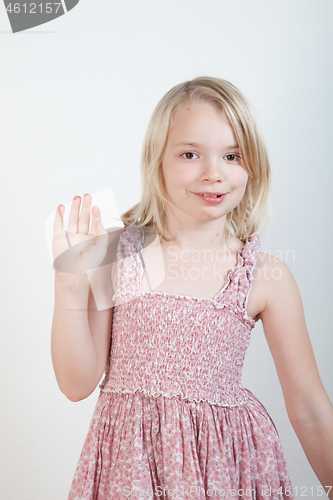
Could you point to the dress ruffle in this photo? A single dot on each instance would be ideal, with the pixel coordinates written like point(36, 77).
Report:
point(139, 445)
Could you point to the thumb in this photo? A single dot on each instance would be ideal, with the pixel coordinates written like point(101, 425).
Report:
point(100, 229)
point(97, 227)
point(102, 236)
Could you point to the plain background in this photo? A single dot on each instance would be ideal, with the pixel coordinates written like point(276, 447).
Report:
point(76, 97)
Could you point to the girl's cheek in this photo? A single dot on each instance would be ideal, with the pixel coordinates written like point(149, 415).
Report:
point(239, 178)
point(242, 175)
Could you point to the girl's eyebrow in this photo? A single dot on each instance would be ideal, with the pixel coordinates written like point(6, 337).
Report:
point(196, 145)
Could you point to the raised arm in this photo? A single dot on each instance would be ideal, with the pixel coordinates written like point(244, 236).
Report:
point(81, 331)
point(308, 406)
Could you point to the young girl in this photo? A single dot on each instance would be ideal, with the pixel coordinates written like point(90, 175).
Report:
point(173, 419)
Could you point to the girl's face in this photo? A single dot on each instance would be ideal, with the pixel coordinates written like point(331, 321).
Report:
point(202, 155)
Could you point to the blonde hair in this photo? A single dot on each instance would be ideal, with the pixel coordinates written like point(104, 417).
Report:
point(248, 216)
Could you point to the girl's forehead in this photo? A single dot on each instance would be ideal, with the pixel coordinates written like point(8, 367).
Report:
point(190, 106)
point(203, 118)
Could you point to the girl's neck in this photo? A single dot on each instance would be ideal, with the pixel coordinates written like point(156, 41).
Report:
point(200, 237)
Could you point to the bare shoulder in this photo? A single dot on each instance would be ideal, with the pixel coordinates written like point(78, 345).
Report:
point(269, 267)
point(273, 281)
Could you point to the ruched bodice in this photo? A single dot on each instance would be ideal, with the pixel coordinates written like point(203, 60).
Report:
point(173, 345)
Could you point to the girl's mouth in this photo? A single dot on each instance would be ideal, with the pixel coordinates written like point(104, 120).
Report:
point(212, 199)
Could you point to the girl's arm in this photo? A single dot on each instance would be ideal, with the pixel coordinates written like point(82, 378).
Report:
point(308, 406)
point(80, 337)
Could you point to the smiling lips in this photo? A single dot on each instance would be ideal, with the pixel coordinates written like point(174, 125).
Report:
point(210, 194)
point(213, 198)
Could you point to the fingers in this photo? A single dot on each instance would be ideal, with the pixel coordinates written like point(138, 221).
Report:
point(74, 215)
point(79, 222)
point(58, 227)
point(84, 219)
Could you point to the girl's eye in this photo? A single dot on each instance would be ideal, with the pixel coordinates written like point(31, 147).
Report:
point(232, 157)
point(188, 155)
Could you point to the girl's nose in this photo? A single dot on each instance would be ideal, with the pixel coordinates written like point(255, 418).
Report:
point(213, 169)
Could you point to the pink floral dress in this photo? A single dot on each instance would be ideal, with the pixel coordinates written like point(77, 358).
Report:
point(173, 420)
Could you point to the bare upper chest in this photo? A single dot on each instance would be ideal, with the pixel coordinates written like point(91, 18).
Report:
point(194, 273)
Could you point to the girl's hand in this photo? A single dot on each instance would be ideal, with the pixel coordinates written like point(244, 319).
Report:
point(79, 251)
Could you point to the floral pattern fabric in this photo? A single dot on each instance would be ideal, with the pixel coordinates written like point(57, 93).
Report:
point(173, 420)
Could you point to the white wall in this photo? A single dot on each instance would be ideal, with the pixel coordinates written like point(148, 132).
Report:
point(76, 96)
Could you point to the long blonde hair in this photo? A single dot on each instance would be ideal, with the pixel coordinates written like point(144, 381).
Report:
point(255, 208)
